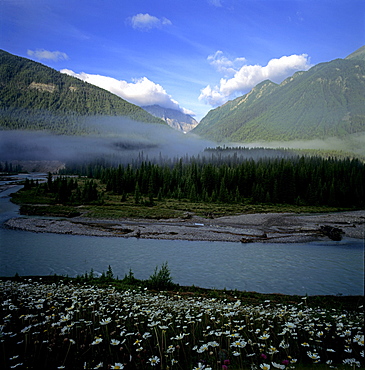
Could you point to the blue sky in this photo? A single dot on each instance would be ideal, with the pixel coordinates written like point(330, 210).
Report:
point(188, 54)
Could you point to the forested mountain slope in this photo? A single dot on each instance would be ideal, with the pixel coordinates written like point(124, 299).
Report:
point(36, 97)
point(327, 100)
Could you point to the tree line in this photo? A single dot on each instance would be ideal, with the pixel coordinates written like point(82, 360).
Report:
point(296, 180)
point(66, 190)
point(9, 167)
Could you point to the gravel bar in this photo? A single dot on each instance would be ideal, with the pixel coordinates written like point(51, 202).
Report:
point(245, 228)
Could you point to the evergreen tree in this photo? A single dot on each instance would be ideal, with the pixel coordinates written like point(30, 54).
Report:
point(49, 182)
point(137, 194)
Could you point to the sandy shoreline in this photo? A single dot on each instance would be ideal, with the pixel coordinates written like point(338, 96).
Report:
point(259, 227)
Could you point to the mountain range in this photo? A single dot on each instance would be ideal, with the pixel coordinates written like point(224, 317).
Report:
point(36, 97)
point(173, 117)
point(328, 100)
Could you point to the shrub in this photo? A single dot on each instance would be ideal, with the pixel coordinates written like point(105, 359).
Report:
point(160, 279)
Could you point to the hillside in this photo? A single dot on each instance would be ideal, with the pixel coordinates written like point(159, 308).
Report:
point(357, 54)
point(174, 118)
point(327, 100)
point(36, 97)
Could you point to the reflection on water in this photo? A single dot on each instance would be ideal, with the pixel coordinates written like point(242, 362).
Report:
point(311, 268)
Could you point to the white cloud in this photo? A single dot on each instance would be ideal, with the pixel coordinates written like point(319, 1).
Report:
point(145, 22)
point(216, 3)
point(248, 76)
point(141, 91)
point(223, 64)
point(42, 54)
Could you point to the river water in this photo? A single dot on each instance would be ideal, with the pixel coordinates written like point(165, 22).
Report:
point(288, 268)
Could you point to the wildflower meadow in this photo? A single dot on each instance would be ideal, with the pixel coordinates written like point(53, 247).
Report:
point(73, 325)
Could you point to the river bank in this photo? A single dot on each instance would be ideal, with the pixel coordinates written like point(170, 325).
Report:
point(258, 227)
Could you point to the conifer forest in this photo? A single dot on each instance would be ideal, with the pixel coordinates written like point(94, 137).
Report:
point(299, 180)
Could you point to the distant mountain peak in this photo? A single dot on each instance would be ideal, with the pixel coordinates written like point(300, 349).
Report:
point(357, 54)
point(173, 117)
point(36, 97)
point(327, 100)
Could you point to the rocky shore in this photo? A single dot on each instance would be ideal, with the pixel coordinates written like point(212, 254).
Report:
point(246, 228)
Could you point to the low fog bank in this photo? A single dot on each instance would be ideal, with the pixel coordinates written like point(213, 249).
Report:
point(119, 140)
point(351, 144)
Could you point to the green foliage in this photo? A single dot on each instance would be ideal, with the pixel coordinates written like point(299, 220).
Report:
point(161, 278)
point(328, 100)
point(224, 185)
point(107, 276)
point(61, 190)
point(297, 180)
point(130, 279)
point(36, 97)
point(10, 168)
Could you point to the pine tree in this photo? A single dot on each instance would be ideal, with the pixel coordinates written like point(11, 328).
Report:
point(49, 182)
point(137, 194)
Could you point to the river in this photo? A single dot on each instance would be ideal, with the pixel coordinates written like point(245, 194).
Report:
point(288, 268)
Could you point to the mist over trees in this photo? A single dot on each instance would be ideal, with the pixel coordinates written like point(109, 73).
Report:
point(296, 180)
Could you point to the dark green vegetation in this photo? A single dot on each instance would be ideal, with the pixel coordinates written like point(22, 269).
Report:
point(297, 180)
point(327, 100)
point(211, 189)
point(36, 97)
point(161, 279)
point(10, 168)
